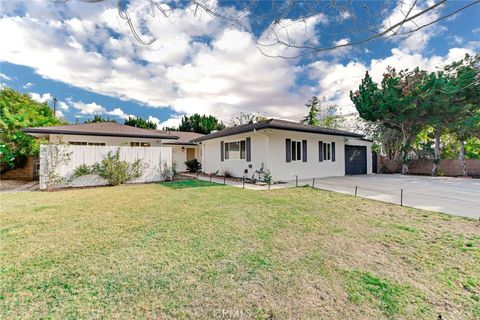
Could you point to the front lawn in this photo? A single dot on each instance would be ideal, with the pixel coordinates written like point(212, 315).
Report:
point(197, 250)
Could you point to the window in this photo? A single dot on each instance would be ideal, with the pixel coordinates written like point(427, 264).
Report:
point(328, 152)
point(139, 144)
point(296, 151)
point(235, 150)
point(83, 143)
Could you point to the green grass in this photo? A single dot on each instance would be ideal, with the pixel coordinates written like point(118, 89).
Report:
point(192, 249)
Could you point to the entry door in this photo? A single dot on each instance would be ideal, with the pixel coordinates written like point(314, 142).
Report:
point(355, 160)
point(190, 154)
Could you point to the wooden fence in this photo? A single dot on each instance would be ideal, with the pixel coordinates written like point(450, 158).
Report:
point(58, 162)
point(449, 168)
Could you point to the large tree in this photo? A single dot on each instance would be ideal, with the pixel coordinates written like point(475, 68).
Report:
point(463, 90)
point(140, 123)
point(398, 103)
point(18, 111)
point(313, 106)
point(200, 123)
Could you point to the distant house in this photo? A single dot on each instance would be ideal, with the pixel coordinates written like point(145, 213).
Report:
point(114, 134)
point(287, 149)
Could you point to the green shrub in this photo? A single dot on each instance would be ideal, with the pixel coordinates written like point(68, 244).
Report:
point(81, 170)
point(193, 165)
point(117, 171)
point(112, 169)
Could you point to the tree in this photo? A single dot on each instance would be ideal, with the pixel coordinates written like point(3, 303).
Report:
point(18, 111)
point(313, 106)
point(245, 118)
point(398, 103)
point(140, 123)
point(328, 119)
point(98, 118)
point(463, 90)
point(200, 123)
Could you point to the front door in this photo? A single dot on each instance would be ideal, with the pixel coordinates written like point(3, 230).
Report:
point(190, 154)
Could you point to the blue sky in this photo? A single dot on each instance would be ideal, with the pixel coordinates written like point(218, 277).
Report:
point(85, 55)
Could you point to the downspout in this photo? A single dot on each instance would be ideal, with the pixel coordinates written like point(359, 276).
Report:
point(267, 165)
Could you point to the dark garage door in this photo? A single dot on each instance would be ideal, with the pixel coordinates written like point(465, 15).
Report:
point(355, 160)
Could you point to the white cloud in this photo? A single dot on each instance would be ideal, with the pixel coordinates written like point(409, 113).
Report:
point(413, 41)
point(59, 114)
point(41, 98)
point(5, 77)
point(170, 123)
point(88, 108)
point(28, 85)
point(119, 113)
point(62, 105)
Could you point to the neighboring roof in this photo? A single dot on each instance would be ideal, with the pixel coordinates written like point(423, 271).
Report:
point(277, 124)
point(185, 137)
point(109, 129)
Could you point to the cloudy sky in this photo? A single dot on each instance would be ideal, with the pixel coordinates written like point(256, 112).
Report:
point(86, 56)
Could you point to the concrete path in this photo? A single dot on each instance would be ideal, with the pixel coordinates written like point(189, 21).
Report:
point(15, 185)
point(457, 196)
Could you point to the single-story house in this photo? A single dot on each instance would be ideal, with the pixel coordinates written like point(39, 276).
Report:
point(287, 149)
point(114, 134)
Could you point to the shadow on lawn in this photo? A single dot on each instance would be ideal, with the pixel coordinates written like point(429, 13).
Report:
point(184, 184)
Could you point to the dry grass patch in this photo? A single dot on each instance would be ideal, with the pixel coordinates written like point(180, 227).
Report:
point(197, 250)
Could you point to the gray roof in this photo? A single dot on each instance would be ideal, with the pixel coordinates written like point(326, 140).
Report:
point(109, 129)
point(185, 137)
point(280, 125)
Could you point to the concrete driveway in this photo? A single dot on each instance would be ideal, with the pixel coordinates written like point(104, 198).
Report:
point(457, 196)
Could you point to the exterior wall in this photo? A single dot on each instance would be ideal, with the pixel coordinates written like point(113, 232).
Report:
point(268, 146)
point(109, 141)
point(179, 157)
point(211, 155)
point(25, 173)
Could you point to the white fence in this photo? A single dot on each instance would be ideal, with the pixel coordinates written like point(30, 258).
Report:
point(58, 162)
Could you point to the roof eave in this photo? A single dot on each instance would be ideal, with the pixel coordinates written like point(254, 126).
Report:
point(101, 134)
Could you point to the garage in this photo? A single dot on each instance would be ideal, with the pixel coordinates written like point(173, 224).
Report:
point(355, 160)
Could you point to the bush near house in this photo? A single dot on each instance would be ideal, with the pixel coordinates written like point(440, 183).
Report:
point(193, 165)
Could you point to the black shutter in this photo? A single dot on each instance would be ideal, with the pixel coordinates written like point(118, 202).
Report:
point(304, 150)
point(288, 150)
point(333, 151)
point(222, 151)
point(248, 146)
point(320, 151)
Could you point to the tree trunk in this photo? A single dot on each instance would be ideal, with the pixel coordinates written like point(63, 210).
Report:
point(405, 142)
point(436, 158)
point(462, 158)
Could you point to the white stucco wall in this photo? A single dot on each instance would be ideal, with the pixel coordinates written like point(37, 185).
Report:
point(268, 146)
point(211, 160)
point(179, 156)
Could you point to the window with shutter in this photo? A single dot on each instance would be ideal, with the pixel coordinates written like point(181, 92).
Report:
point(288, 150)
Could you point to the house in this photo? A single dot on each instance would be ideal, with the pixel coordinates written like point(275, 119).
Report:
point(114, 134)
point(287, 149)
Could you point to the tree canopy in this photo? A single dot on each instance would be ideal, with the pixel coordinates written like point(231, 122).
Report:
point(140, 123)
point(313, 106)
point(99, 118)
point(200, 123)
point(413, 101)
point(245, 118)
point(19, 111)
